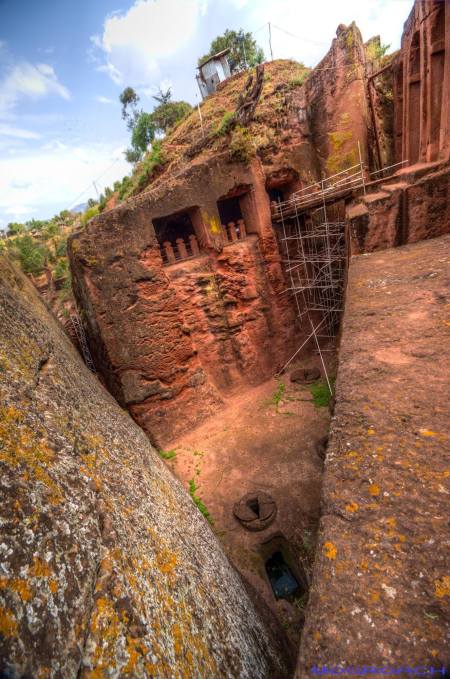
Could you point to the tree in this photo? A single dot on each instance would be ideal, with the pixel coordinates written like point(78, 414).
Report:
point(129, 100)
point(244, 50)
point(143, 133)
point(163, 97)
point(166, 115)
point(14, 228)
point(143, 126)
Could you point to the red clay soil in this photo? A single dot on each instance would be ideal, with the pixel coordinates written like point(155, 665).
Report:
point(381, 587)
point(254, 445)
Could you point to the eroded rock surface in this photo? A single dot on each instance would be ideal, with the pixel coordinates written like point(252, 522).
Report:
point(381, 587)
point(107, 568)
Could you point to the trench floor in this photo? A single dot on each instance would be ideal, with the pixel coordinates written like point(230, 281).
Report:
point(255, 443)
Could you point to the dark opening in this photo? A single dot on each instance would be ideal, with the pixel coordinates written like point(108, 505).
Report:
point(253, 504)
point(282, 580)
point(229, 210)
point(276, 195)
point(172, 227)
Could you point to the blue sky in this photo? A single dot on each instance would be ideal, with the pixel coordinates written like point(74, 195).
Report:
point(63, 64)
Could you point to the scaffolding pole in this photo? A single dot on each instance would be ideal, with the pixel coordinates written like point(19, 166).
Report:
point(314, 260)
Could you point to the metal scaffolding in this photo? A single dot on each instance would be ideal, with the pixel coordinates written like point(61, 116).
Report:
point(315, 259)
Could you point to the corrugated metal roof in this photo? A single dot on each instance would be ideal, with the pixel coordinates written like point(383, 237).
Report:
point(215, 56)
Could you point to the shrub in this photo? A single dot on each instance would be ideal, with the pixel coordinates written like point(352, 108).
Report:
point(241, 146)
point(89, 213)
point(31, 254)
point(225, 124)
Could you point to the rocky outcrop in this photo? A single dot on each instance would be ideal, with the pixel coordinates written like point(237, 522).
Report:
point(107, 567)
point(171, 338)
point(411, 206)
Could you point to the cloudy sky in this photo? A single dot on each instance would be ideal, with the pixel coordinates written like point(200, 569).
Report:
point(63, 64)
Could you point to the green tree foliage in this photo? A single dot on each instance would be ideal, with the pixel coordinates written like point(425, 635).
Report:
point(143, 133)
point(143, 126)
point(31, 254)
point(129, 100)
point(163, 97)
point(14, 228)
point(168, 114)
point(244, 50)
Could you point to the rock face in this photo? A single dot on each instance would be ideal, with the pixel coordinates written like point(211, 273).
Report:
point(171, 337)
point(411, 206)
point(107, 568)
point(380, 596)
point(422, 85)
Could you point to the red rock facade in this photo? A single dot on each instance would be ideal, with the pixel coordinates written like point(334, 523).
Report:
point(422, 85)
point(171, 337)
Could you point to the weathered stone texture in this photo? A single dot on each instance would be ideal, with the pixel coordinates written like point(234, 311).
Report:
point(168, 340)
point(107, 568)
point(422, 84)
point(381, 586)
point(411, 206)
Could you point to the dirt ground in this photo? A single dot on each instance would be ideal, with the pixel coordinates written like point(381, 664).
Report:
point(264, 439)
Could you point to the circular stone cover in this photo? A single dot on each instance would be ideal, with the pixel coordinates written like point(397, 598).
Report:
point(305, 375)
point(255, 511)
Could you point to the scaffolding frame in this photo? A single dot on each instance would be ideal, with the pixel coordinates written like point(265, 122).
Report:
point(315, 255)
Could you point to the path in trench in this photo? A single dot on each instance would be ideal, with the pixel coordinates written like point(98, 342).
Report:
point(253, 445)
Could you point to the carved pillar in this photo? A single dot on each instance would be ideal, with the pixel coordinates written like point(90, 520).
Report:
point(224, 233)
point(242, 229)
point(194, 245)
point(168, 249)
point(232, 232)
point(182, 251)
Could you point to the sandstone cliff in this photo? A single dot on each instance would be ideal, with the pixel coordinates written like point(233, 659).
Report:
point(107, 568)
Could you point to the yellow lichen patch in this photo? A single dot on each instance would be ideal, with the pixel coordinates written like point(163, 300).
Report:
point(330, 550)
point(352, 507)
point(39, 569)
point(23, 448)
point(53, 585)
point(8, 623)
point(374, 597)
point(442, 587)
point(374, 489)
point(370, 431)
point(136, 650)
point(427, 432)
point(316, 635)
point(18, 585)
point(166, 560)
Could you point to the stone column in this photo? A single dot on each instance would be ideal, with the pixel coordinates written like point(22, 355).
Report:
point(181, 245)
point(232, 232)
point(194, 245)
point(242, 229)
point(168, 249)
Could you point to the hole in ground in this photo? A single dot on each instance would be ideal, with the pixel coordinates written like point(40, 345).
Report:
point(282, 580)
point(284, 570)
point(253, 504)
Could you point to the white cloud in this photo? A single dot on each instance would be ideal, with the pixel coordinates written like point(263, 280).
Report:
point(308, 28)
point(35, 181)
point(17, 132)
point(104, 100)
point(29, 80)
point(136, 42)
point(19, 210)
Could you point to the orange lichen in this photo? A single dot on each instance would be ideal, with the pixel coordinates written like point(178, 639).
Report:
point(330, 550)
point(18, 585)
point(8, 623)
point(352, 507)
point(39, 569)
point(374, 489)
point(442, 587)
